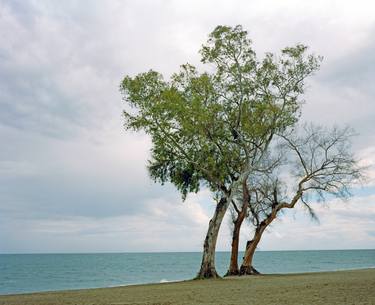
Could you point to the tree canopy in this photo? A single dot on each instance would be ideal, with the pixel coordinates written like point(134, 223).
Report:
point(208, 127)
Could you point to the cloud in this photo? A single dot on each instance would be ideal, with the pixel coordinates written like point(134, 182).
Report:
point(16, 169)
point(151, 229)
point(366, 159)
point(342, 93)
point(73, 180)
point(342, 225)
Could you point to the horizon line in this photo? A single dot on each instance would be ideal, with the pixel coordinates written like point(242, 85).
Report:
point(160, 252)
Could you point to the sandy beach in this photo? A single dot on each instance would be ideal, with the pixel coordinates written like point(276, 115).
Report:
point(340, 287)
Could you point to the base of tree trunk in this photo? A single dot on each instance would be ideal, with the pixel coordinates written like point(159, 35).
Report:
point(232, 272)
point(248, 270)
point(209, 273)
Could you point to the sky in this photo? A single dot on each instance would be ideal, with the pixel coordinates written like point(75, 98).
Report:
point(73, 180)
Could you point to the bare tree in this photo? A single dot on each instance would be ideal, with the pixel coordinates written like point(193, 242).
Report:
point(318, 163)
point(245, 204)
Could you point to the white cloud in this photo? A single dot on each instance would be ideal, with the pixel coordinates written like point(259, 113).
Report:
point(76, 172)
point(342, 225)
point(11, 169)
point(367, 160)
point(161, 226)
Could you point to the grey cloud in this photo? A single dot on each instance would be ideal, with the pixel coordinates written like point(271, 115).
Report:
point(66, 160)
point(62, 69)
point(35, 104)
point(356, 69)
point(342, 92)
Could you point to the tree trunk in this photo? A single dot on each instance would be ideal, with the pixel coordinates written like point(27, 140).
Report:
point(208, 269)
point(233, 264)
point(247, 264)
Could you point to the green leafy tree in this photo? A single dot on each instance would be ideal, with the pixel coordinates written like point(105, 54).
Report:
point(213, 129)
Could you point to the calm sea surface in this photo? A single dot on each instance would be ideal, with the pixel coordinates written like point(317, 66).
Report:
point(21, 273)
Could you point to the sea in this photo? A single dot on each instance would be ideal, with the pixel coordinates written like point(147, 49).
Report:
point(22, 273)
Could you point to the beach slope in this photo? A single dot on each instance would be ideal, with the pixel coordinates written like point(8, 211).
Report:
point(341, 287)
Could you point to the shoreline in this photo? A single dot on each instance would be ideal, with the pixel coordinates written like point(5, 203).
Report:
point(330, 287)
point(184, 280)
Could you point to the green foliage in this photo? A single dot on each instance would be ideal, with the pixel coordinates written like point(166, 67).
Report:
point(211, 127)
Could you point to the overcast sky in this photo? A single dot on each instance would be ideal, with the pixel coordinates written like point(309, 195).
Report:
point(71, 178)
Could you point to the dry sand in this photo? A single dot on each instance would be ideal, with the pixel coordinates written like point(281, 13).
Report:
point(341, 287)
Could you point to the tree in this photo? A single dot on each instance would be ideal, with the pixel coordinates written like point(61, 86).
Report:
point(244, 204)
point(239, 211)
point(212, 129)
point(319, 162)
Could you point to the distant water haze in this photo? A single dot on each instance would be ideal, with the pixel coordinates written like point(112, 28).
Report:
point(20, 273)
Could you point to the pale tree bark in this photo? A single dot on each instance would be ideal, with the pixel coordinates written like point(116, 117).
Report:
point(208, 269)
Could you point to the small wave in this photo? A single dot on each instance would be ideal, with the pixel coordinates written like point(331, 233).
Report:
point(164, 281)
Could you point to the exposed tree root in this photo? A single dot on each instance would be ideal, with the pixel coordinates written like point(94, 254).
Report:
point(209, 273)
point(248, 270)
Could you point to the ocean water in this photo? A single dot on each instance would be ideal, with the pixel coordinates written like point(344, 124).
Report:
point(20, 273)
